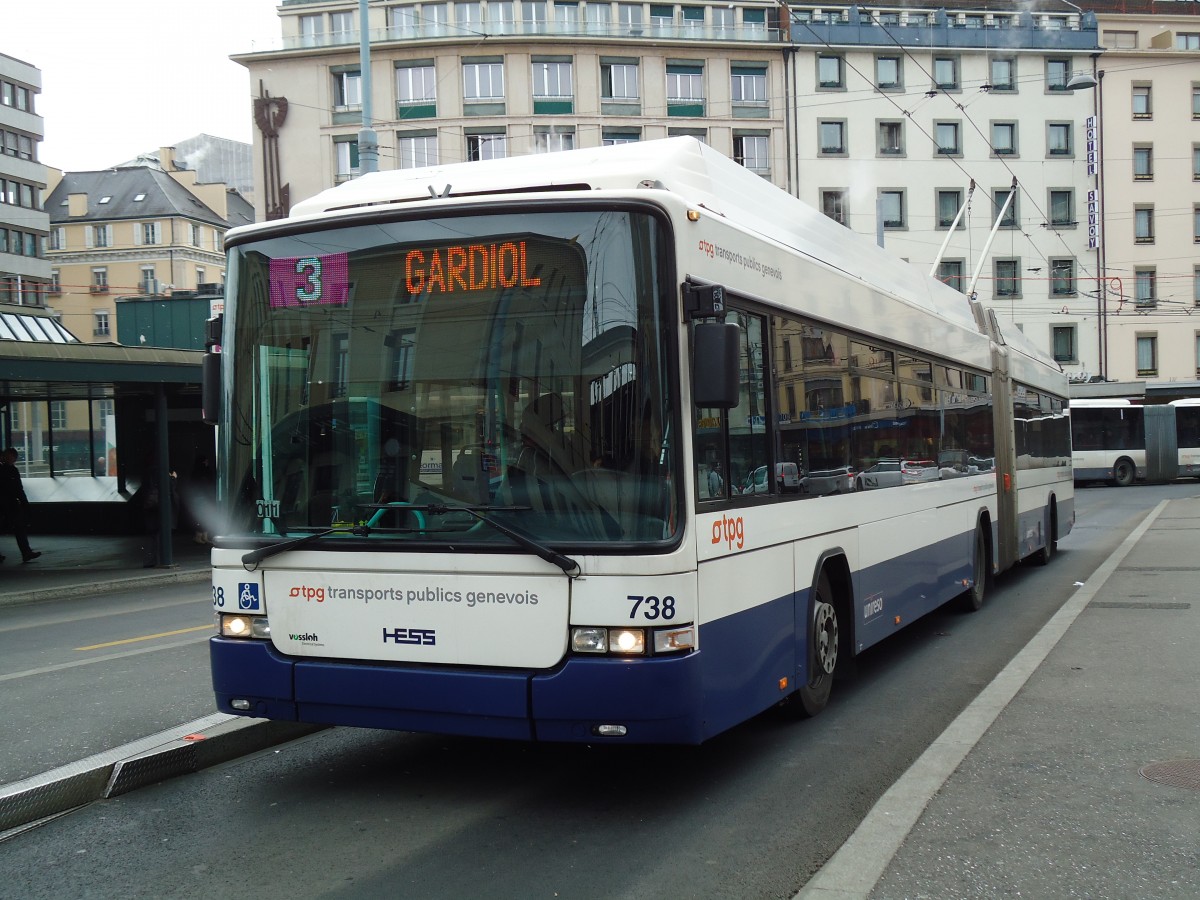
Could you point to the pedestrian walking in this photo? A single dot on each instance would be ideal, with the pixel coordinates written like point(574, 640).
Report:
point(14, 505)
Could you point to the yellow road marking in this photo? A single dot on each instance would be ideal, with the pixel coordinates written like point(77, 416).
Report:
point(147, 637)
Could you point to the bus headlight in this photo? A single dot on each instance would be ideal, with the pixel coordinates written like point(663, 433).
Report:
point(629, 641)
point(239, 626)
point(617, 641)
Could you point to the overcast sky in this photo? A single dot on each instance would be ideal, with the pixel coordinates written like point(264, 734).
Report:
point(125, 77)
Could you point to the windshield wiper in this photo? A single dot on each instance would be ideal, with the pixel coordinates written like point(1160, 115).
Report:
point(254, 557)
point(569, 566)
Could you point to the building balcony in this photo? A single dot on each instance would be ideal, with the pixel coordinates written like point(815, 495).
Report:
point(425, 31)
point(852, 26)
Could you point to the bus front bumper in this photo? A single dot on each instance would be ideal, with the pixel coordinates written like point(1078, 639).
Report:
point(584, 700)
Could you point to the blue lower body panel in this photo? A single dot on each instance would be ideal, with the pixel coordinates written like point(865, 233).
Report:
point(657, 700)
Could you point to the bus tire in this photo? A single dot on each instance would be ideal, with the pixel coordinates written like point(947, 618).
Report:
point(1124, 472)
point(1046, 553)
point(972, 599)
point(824, 641)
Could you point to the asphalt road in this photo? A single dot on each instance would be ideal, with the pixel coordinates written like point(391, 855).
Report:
point(353, 813)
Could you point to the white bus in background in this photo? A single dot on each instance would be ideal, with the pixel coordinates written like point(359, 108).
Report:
point(486, 429)
point(1120, 441)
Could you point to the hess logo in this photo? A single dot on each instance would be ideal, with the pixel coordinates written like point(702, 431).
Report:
point(731, 531)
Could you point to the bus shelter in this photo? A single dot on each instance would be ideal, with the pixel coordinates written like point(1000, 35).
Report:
point(91, 421)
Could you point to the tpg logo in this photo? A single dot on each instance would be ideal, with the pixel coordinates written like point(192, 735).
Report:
point(308, 593)
point(730, 530)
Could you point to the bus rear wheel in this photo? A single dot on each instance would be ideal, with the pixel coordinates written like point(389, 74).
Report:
point(1046, 553)
point(972, 600)
point(1123, 473)
point(823, 642)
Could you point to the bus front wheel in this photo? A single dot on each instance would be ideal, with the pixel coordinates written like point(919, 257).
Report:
point(823, 638)
point(1123, 473)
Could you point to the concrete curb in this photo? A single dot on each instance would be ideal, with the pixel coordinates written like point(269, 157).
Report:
point(178, 751)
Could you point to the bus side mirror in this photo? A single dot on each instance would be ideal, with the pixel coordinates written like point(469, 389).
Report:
point(715, 365)
point(210, 372)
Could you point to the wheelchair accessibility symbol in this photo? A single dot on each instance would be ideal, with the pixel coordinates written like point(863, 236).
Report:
point(248, 597)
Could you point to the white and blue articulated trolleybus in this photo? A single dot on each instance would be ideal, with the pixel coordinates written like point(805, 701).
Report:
point(564, 448)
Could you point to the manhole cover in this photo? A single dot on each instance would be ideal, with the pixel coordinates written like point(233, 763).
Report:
point(1184, 773)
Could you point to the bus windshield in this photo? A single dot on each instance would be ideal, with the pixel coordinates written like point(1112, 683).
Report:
point(418, 380)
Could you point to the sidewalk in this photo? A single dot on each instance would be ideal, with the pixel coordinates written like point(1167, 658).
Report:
point(96, 563)
point(1076, 773)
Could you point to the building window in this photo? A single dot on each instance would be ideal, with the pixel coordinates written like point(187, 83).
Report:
point(149, 283)
point(1062, 338)
point(58, 415)
point(1003, 74)
point(150, 232)
point(1195, 162)
point(1007, 277)
point(948, 204)
point(347, 90)
point(1196, 224)
point(1142, 107)
point(685, 89)
point(889, 73)
point(1187, 40)
point(1119, 40)
point(1062, 277)
point(619, 81)
point(416, 85)
point(100, 324)
point(891, 208)
point(101, 235)
point(1009, 219)
point(947, 136)
point(1004, 138)
point(1058, 139)
point(950, 272)
point(1058, 73)
point(552, 81)
point(1145, 288)
point(553, 140)
point(345, 158)
point(1062, 208)
point(486, 146)
point(416, 151)
point(343, 27)
point(1143, 163)
point(1196, 286)
point(611, 136)
point(201, 276)
point(752, 151)
point(1147, 354)
point(197, 236)
point(104, 411)
point(1143, 224)
point(483, 81)
point(748, 85)
point(99, 281)
point(834, 204)
point(945, 73)
point(832, 137)
point(831, 71)
point(1196, 101)
point(891, 137)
